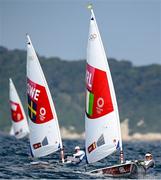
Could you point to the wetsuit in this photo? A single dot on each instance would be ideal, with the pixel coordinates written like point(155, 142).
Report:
point(149, 164)
point(80, 155)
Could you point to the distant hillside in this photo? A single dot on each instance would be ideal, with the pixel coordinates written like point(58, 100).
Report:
point(138, 90)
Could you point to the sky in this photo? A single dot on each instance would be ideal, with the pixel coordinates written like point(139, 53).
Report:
point(130, 29)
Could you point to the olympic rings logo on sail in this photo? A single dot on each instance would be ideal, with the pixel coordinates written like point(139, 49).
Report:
point(42, 113)
point(92, 36)
point(100, 102)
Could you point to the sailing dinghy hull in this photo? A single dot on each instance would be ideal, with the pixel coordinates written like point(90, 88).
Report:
point(120, 170)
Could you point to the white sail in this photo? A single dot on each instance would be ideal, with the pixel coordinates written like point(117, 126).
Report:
point(43, 123)
point(19, 120)
point(102, 124)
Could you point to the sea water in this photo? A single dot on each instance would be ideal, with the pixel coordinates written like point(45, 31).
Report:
point(16, 162)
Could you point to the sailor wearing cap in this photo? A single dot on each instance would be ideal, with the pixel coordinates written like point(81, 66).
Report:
point(79, 154)
point(149, 161)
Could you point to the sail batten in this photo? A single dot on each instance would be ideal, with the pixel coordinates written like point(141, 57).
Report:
point(43, 122)
point(102, 124)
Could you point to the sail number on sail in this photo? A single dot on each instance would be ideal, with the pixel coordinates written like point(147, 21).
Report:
point(98, 96)
point(16, 112)
point(38, 103)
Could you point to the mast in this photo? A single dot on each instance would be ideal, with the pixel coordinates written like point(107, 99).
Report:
point(62, 155)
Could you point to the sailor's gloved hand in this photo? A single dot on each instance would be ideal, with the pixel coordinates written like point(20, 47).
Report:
point(142, 163)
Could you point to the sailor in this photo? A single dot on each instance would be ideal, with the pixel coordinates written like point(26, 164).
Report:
point(149, 161)
point(79, 154)
point(77, 157)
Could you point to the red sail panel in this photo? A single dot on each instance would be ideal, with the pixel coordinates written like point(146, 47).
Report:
point(39, 109)
point(16, 112)
point(99, 101)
